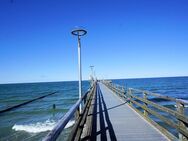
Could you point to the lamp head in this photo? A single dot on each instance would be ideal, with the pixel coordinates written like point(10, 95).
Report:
point(79, 32)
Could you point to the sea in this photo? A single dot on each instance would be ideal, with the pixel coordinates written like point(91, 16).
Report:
point(32, 122)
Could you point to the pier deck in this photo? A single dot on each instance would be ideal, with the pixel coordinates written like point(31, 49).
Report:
point(114, 119)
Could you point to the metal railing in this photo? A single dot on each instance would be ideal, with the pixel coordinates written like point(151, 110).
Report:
point(141, 101)
point(74, 110)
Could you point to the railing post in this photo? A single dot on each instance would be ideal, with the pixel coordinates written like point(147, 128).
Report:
point(115, 87)
point(117, 90)
point(130, 96)
point(180, 109)
point(145, 104)
point(77, 113)
point(123, 91)
point(86, 97)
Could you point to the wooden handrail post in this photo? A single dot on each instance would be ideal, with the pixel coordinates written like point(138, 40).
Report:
point(130, 96)
point(77, 113)
point(124, 92)
point(85, 98)
point(180, 109)
point(145, 104)
point(114, 88)
point(122, 88)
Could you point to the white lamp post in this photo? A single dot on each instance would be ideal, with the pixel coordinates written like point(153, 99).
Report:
point(92, 70)
point(79, 32)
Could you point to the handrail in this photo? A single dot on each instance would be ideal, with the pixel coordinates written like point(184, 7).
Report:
point(182, 101)
point(76, 131)
point(161, 96)
point(53, 134)
point(143, 102)
point(164, 109)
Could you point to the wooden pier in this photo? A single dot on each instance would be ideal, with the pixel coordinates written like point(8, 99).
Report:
point(116, 120)
point(110, 113)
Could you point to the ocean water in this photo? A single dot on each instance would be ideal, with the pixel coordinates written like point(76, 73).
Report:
point(33, 121)
point(176, 87)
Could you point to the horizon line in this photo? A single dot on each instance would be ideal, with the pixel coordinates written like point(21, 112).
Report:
point(88, 80)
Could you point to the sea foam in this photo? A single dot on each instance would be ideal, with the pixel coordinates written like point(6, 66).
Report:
point(38, 127)
point(186, 106)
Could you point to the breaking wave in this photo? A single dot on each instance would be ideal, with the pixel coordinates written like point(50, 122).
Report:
point(38, 127)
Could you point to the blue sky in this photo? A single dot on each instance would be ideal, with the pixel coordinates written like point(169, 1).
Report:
point(126, 39)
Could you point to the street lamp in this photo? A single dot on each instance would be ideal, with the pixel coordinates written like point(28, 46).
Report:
point(91, 70)
point(91, 76)
point(79, 32)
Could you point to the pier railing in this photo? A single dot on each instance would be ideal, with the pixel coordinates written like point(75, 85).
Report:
point(79, 118)
point(172, 121)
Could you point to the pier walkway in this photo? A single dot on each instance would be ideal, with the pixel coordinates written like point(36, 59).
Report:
point(115, 120)
point(111, 112)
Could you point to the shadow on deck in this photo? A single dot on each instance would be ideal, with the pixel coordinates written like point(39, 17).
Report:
point(103, 117)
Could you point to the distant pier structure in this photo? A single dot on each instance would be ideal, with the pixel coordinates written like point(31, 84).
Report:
point(111, 112)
